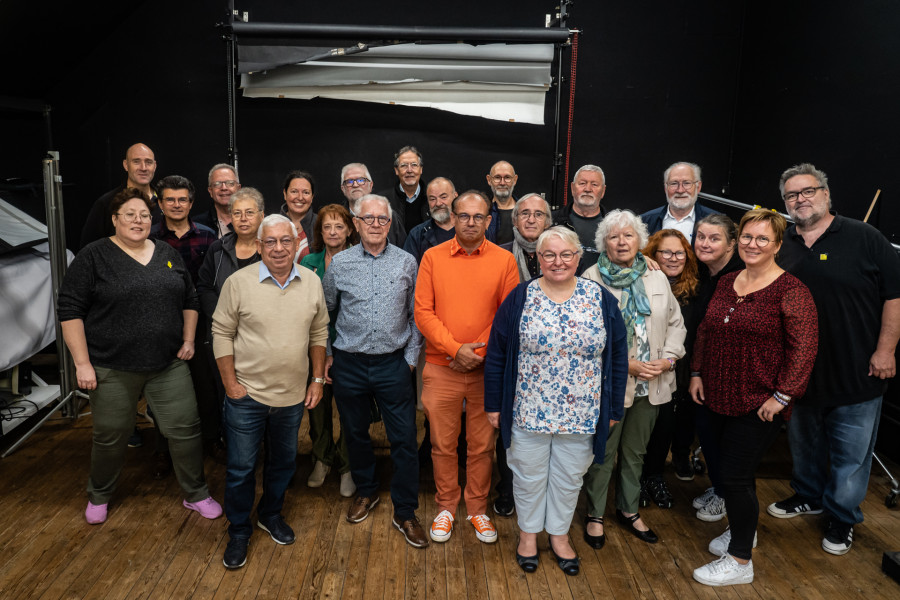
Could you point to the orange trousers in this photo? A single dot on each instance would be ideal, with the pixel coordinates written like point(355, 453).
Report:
point(443, 392)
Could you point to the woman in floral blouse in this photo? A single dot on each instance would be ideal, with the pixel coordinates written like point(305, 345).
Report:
point(754, 352)
point(554, 383)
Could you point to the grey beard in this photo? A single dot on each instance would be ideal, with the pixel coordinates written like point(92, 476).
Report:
point(503, 194)
point(441, 215)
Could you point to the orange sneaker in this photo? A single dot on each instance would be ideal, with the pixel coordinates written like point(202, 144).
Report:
point(484, 529)
point(442, 526)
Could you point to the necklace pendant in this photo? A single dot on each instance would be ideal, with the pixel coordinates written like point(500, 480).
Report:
point(728, 318)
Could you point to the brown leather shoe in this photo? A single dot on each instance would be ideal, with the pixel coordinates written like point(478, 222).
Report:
point(360, 508)
point(412, 531)
point(162, 465)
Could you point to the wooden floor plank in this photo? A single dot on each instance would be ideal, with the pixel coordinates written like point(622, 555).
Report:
point(151, 547)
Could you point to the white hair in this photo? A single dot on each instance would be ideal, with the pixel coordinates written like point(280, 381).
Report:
point(620, 219)
point(564, 234)
point(694, 167)
point(272, 221)
point(354, 208)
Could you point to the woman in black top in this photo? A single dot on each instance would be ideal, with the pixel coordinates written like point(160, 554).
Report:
point(128, 311)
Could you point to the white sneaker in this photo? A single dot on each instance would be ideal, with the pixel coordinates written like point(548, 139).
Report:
point(702, 500)
point(724, 571)
point(719, 545)
point(713, 511)
point(317, 477)
point(348, 486)
point(442, 527)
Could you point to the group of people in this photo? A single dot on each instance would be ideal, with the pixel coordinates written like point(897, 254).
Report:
point(593, 340)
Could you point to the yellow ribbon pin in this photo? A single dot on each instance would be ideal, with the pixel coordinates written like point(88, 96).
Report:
point(169, 263)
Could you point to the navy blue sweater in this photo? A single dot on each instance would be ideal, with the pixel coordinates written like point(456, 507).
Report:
point(501, 366)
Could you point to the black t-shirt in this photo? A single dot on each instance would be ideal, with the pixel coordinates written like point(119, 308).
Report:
point(504, 227)
point(586, 228)
point(851, 270)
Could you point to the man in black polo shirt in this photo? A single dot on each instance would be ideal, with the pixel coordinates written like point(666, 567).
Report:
point(854, 276)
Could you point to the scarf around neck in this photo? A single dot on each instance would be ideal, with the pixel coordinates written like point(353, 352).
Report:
point(519, 248)
point(634, 300)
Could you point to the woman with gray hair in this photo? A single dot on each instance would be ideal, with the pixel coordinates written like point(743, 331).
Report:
point(655, 336)
point(554, 383)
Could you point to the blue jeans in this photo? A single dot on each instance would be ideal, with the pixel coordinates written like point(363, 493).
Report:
point(246, 422)
point(357, 379)
point(843, 436)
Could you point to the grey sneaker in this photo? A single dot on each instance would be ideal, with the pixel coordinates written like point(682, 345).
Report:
point(348, 488)
point(838, 538)
point(701, 500)
point(719, 545)
point(793, 506)
point(714, 510)
point(724, 571)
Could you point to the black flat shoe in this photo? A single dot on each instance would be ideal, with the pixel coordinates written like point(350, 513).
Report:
point(594, 541)
point(628, 522)
point(569, 566)
point(529, 564)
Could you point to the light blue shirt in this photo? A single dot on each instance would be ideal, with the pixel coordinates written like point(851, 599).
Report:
point(412, 199)
point(264, 274)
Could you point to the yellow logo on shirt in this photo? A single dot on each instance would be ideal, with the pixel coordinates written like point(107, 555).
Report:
point(169, 263)
point(823, 256)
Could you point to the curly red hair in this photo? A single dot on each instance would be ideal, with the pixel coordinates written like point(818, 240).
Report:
point(685, 287)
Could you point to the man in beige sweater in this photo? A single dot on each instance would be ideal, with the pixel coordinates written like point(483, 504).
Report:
point(270, 317)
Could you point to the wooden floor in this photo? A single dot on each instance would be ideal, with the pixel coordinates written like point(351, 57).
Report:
point(151, 547)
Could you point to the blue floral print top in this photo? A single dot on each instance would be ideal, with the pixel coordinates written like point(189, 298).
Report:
point(560, 366)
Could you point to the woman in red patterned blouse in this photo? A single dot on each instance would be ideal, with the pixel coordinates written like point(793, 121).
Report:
point(754, 352)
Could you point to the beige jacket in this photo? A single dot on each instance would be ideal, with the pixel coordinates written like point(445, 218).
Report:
point(665, 328)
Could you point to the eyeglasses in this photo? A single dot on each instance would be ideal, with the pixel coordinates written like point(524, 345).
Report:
point(667, 254)
point(687, 185)
point(238, 214)
point(270, 243)
point(566, 256)
point(131, 217)
point(805, 192)
point(499, 178)
point(356, 181)
point(761, 240)
point(370, 219)
point(538, 215)
point(174, 201)
point(412, 165)
point(230, 183)
point(466, 217)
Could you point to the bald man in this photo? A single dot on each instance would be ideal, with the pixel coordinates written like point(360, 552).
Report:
point(502, 180)
point(140, 167)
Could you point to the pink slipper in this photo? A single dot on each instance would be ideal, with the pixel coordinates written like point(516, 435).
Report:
point(95, 513)
point(208, 508)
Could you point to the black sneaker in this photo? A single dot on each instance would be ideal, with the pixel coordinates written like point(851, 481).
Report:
point(684, 470)
point(504, 505)
point(236, 553)
point(644, 499)
point(793, 506)
point(135, 440)
point(280, 531)
point(659, 492)
point(838, 537)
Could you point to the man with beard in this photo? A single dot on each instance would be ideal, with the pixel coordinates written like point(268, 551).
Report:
point(140, 166)
point(681, 183)
point(502, 181)
point(222, 181)
point(356, 182)
point(585, 212)
point(853, 274)
point(439, 193)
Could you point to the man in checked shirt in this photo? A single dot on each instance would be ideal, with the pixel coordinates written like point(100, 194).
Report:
point(372, 288)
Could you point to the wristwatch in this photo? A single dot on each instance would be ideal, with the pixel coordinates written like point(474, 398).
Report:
point(318, 380)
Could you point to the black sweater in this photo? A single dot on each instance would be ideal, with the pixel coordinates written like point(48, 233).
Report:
point(132, 313)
